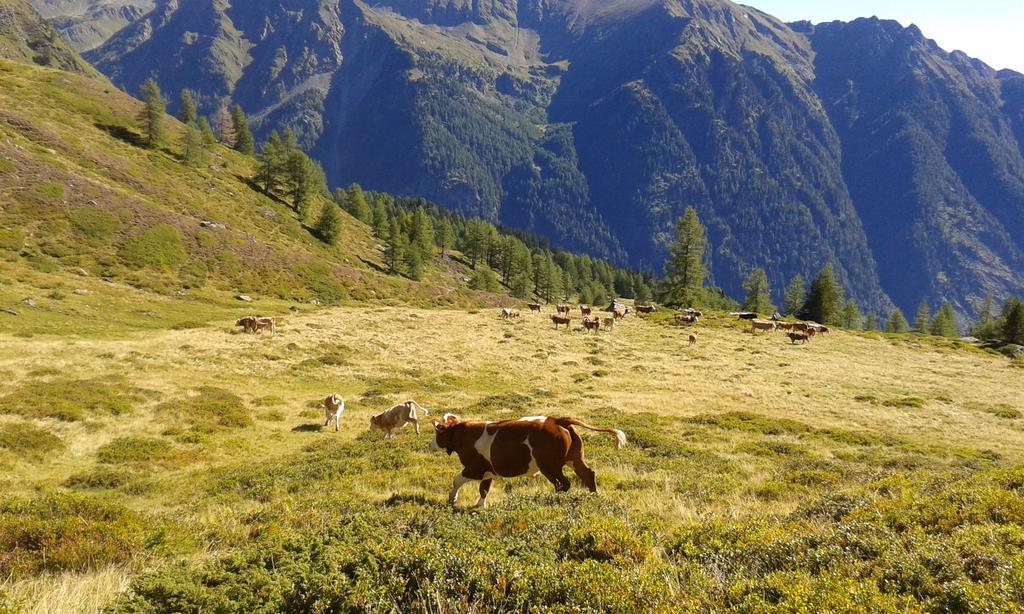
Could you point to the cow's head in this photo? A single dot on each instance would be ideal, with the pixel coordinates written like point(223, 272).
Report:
point(443, 433)
point(375, 422)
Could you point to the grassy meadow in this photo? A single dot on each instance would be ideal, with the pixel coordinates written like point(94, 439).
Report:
point(187, 470)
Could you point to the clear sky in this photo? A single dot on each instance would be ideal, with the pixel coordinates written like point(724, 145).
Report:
point(990, 30)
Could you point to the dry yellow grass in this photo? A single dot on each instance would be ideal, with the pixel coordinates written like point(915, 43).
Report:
point(932, 401)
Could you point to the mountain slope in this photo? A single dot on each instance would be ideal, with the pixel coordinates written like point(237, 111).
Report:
point(86, 24)
point(27, 37)
point(596, 124)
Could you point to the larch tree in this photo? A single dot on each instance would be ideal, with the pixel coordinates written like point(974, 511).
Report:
point(944, 322)
point(151, 116)
point(796, 296)
point(825, 300)
point(758, 298)
point(328, 226)
point(243, 142)
point(897, 322)
point(685, 271)
point(923, 317)
point(187, 108)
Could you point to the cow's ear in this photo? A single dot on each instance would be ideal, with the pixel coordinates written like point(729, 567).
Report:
point(450, 419)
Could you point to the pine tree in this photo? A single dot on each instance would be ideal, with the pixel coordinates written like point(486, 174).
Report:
point(484, 279)
point(422, 235)
point(193, 151)
point(356, 204)
point(380, 220)
point(520, 286)
point(209, 139)
point(394, 247)
point(796, 296)
point(642, 293)
point(151, 116)
point(872, 322)
point(222, 126)
point(444, 236)
point(758, 299)
point(944, 322)
point(923, 317)
point(244, 142)
point(1013, 320)
point(825, 300)
point(685, 270)
point(852, 318)
point(305, 179)
point(187, 108)
point(413, 263)
point(328, 225)
point(897, 322)
point(271, 163)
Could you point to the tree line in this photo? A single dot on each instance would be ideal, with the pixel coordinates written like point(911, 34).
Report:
point(415, 231)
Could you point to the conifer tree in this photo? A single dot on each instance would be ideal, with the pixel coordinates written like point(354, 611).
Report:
point(328, 226)
point(193, 151)
point(244, 142)
point(944, 322)
point(222, 126)
point(871, 324)
point(758, 298)
point(796, 296)
point(852, 318)
point(484, 279)
point(923, 317)
point(356, 204)
point(209, 139)
point(413, 262)
point(187, 108)
point(897, 322)
point(825, 300)
point(1013, 320)
point(395, 247)
point(444, 236)
point(685, 270)
point(305, 179)
point(380, 220)
point(151, 116)
point(271, 163)
point(520, 285)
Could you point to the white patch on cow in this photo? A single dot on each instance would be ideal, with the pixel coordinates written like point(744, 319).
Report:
point(533, 468)
point(484, 442)
point(457, 483)
point(534, 418)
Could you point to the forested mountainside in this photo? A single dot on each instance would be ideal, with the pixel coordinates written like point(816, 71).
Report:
point(596, 124)
point(27, 37)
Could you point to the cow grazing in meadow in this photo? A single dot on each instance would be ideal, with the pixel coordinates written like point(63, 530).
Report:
point(609, 323)
point(333, 407)
point(248, 324)
point(507, 314)
point(512, 448)
point(620, 312)
point(534, 307)
point(693, 339)
point(686, 319)
point(560, 308)
point(585, 310)
point(263, 324)
point(397, 417)
point(646, 308)
point(593, 324)
point(756, 325)
point(801, 337)
point(557, 319)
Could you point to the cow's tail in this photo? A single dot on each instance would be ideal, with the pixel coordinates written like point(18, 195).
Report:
point(620, 436)
point(420, 407)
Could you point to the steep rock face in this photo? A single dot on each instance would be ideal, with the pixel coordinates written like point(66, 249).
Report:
point(26, 37)
point(931, 158)
point(596, 123)
point(86, 24)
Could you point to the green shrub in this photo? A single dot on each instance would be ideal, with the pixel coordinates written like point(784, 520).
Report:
point(319, 280)
point(67, 400)
point(61, 533)
point(159, 247)
point(95, 224)
point(209, 409)
point(29, 441)
point(50, 192)
point(133, 450)
point(904, 402)
point(12, 239)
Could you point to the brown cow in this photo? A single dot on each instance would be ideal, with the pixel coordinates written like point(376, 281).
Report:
point(560, 308)
point(620, 312)
point(397, 417)
point(645, 308)
point(756, 325)
point(248, 324)
point(557, 319)
point(693, 339)
point(799, 326)
point(811, 332)
point(263, 324)
point(592, 324)
point(784, 326)
point(585, 310)
point(512, 448)
point(333, 406)
point(533, 306)
point(609, 323)
point(794, 337)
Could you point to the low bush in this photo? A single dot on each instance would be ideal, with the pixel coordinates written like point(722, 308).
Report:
point(28, 441)
point(209, 409)
point(159, 247)
point(51, 399)
point(133, 450)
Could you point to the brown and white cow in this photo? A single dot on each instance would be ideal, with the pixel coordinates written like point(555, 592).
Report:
point(507, 313)
point(248, 324)
point(620, 312)
point(557, 319)
point(333, 406)
point(646, 308)
point(533, 306)
point(684, 318)
point(593, 324)
point(395, 418)
point(784, 326)
point(801, 337)
point(585, 310)
point(609, 323)
point(511, 448)
point(756, 325)
point(560, 308)
point(263, 324)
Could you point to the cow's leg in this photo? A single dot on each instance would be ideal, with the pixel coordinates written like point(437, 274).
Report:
point(416, 423)
point(556, 477)
point(337, 422)
point(485, 487)
point(458, 482)
point(327, 420)
point(586, 474)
